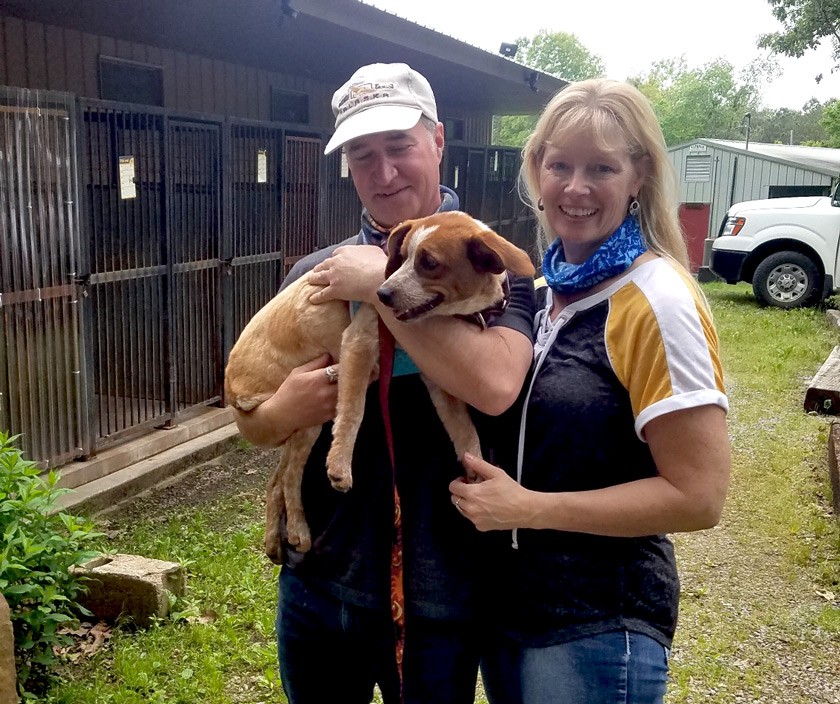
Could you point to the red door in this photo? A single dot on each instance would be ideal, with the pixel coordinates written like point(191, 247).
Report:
point(694, 219)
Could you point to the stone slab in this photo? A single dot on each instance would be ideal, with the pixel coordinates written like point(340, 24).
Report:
point(8, 676)
point(130, 481)
point(114, 459)
point(130, 587)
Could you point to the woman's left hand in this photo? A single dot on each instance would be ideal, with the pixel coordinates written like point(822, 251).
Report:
point(495, 501)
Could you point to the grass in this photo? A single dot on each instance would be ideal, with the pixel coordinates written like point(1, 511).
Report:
point(759, 614)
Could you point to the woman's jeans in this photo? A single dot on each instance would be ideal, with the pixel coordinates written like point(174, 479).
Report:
point(620, 667)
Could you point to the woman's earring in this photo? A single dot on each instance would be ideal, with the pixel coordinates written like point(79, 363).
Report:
point(540, 205)
point(634, 208)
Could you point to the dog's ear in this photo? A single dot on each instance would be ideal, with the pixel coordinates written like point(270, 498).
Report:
point(493, 253)
point(395, 243)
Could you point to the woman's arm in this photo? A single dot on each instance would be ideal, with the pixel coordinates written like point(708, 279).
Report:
point(691, 451)
point(485, 368)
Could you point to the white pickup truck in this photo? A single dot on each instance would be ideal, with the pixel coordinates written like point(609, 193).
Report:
point(787, 248)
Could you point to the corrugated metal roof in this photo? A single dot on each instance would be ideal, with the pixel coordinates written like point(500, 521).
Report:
point(818, 158)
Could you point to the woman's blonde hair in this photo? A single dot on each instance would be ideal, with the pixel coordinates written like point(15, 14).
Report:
point(605, 108)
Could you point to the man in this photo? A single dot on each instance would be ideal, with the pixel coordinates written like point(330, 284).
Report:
point(334, 625)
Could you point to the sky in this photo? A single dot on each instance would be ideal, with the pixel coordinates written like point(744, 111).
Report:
point(630, 36)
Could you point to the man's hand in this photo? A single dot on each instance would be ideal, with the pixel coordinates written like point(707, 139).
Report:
point(352, 273)
point(306, 398)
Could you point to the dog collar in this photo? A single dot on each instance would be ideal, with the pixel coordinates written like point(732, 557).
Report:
point(483, 318)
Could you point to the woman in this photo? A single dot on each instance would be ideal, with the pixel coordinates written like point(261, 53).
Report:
point(623, 436)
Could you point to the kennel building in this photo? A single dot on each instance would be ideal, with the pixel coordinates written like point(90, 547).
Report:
point(161, 168)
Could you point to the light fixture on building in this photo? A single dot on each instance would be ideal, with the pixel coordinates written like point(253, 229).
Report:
point(508, 50)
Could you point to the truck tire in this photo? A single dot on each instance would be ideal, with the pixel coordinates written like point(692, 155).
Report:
point(787, 280)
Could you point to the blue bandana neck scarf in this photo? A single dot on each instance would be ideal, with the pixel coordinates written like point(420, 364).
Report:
point(374, 233)
point(612, 258)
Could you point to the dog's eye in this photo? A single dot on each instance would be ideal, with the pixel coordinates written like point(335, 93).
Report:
point(428, 262)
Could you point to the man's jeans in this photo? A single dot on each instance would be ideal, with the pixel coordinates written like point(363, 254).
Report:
point(332, 651)
point(620, 667)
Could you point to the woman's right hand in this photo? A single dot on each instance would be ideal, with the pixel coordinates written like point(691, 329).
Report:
point(306, 398)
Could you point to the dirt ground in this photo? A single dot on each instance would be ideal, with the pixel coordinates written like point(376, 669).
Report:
point(242, 470)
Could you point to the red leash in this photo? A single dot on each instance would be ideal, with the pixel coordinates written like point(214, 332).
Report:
point(386, 368)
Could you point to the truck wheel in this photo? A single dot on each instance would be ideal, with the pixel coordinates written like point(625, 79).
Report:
point(787, 280)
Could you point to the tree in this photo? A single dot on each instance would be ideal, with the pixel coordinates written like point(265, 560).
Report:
point(557, 53)
point(806, 23)
point(709, 101)
point(831, 122)
point(560, 54)
point(786, 126)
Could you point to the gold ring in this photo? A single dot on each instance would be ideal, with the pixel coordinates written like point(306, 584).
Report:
point(332, 374)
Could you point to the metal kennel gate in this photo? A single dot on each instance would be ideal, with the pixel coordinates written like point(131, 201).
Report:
point(152, 208)
point(41, 371)
point(273, 205)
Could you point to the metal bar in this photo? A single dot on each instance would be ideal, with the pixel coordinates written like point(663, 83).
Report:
point(89, 411)
point(167, 305)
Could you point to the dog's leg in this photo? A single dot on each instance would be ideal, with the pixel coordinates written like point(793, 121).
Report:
point(274, 509)
point(456, 420)
point(359, 355)
point(298, 447)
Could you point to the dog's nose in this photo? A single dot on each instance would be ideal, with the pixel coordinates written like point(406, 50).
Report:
point(386, 295)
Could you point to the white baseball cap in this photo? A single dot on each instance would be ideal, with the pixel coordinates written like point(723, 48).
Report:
point(380, 98)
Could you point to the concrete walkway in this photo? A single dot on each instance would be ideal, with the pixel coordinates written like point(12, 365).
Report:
point(129, 468)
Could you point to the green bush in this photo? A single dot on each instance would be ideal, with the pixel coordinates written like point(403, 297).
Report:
point(40, 546)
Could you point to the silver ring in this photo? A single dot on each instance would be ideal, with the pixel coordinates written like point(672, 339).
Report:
point(332, 374)
point(458, 504)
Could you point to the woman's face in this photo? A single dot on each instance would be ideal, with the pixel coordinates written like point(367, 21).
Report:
point(585, 191)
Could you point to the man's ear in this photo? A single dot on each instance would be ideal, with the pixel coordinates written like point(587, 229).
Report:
point(395, 243)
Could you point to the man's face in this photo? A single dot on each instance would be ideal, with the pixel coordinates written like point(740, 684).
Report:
point(397, 174)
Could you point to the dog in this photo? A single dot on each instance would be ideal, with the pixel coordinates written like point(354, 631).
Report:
point(444, 264)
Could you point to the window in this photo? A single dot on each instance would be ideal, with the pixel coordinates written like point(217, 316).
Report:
point(796, 191)
point(698, 167)
point(453, 129)
point(289, 106)
point(130, 82)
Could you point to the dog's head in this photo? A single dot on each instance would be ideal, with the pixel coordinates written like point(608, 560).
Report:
point(447, 264)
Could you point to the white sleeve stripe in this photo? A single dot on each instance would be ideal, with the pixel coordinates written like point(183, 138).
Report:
point(693, 399)
point(686, 347)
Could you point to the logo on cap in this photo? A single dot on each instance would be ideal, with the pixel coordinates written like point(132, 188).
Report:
point(359, 93)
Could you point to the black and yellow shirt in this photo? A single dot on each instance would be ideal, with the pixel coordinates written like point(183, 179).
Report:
point(606, 366)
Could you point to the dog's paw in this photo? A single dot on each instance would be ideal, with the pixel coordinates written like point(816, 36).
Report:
point(274, 552)
point(341, 481)
point(338, 471)
point(299, 537)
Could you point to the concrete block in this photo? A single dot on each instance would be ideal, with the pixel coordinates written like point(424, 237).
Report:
point(8, 676)
point(833, 466)
point(131, 586)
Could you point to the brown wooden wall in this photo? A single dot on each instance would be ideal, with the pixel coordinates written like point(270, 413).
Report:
point(39, 56)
